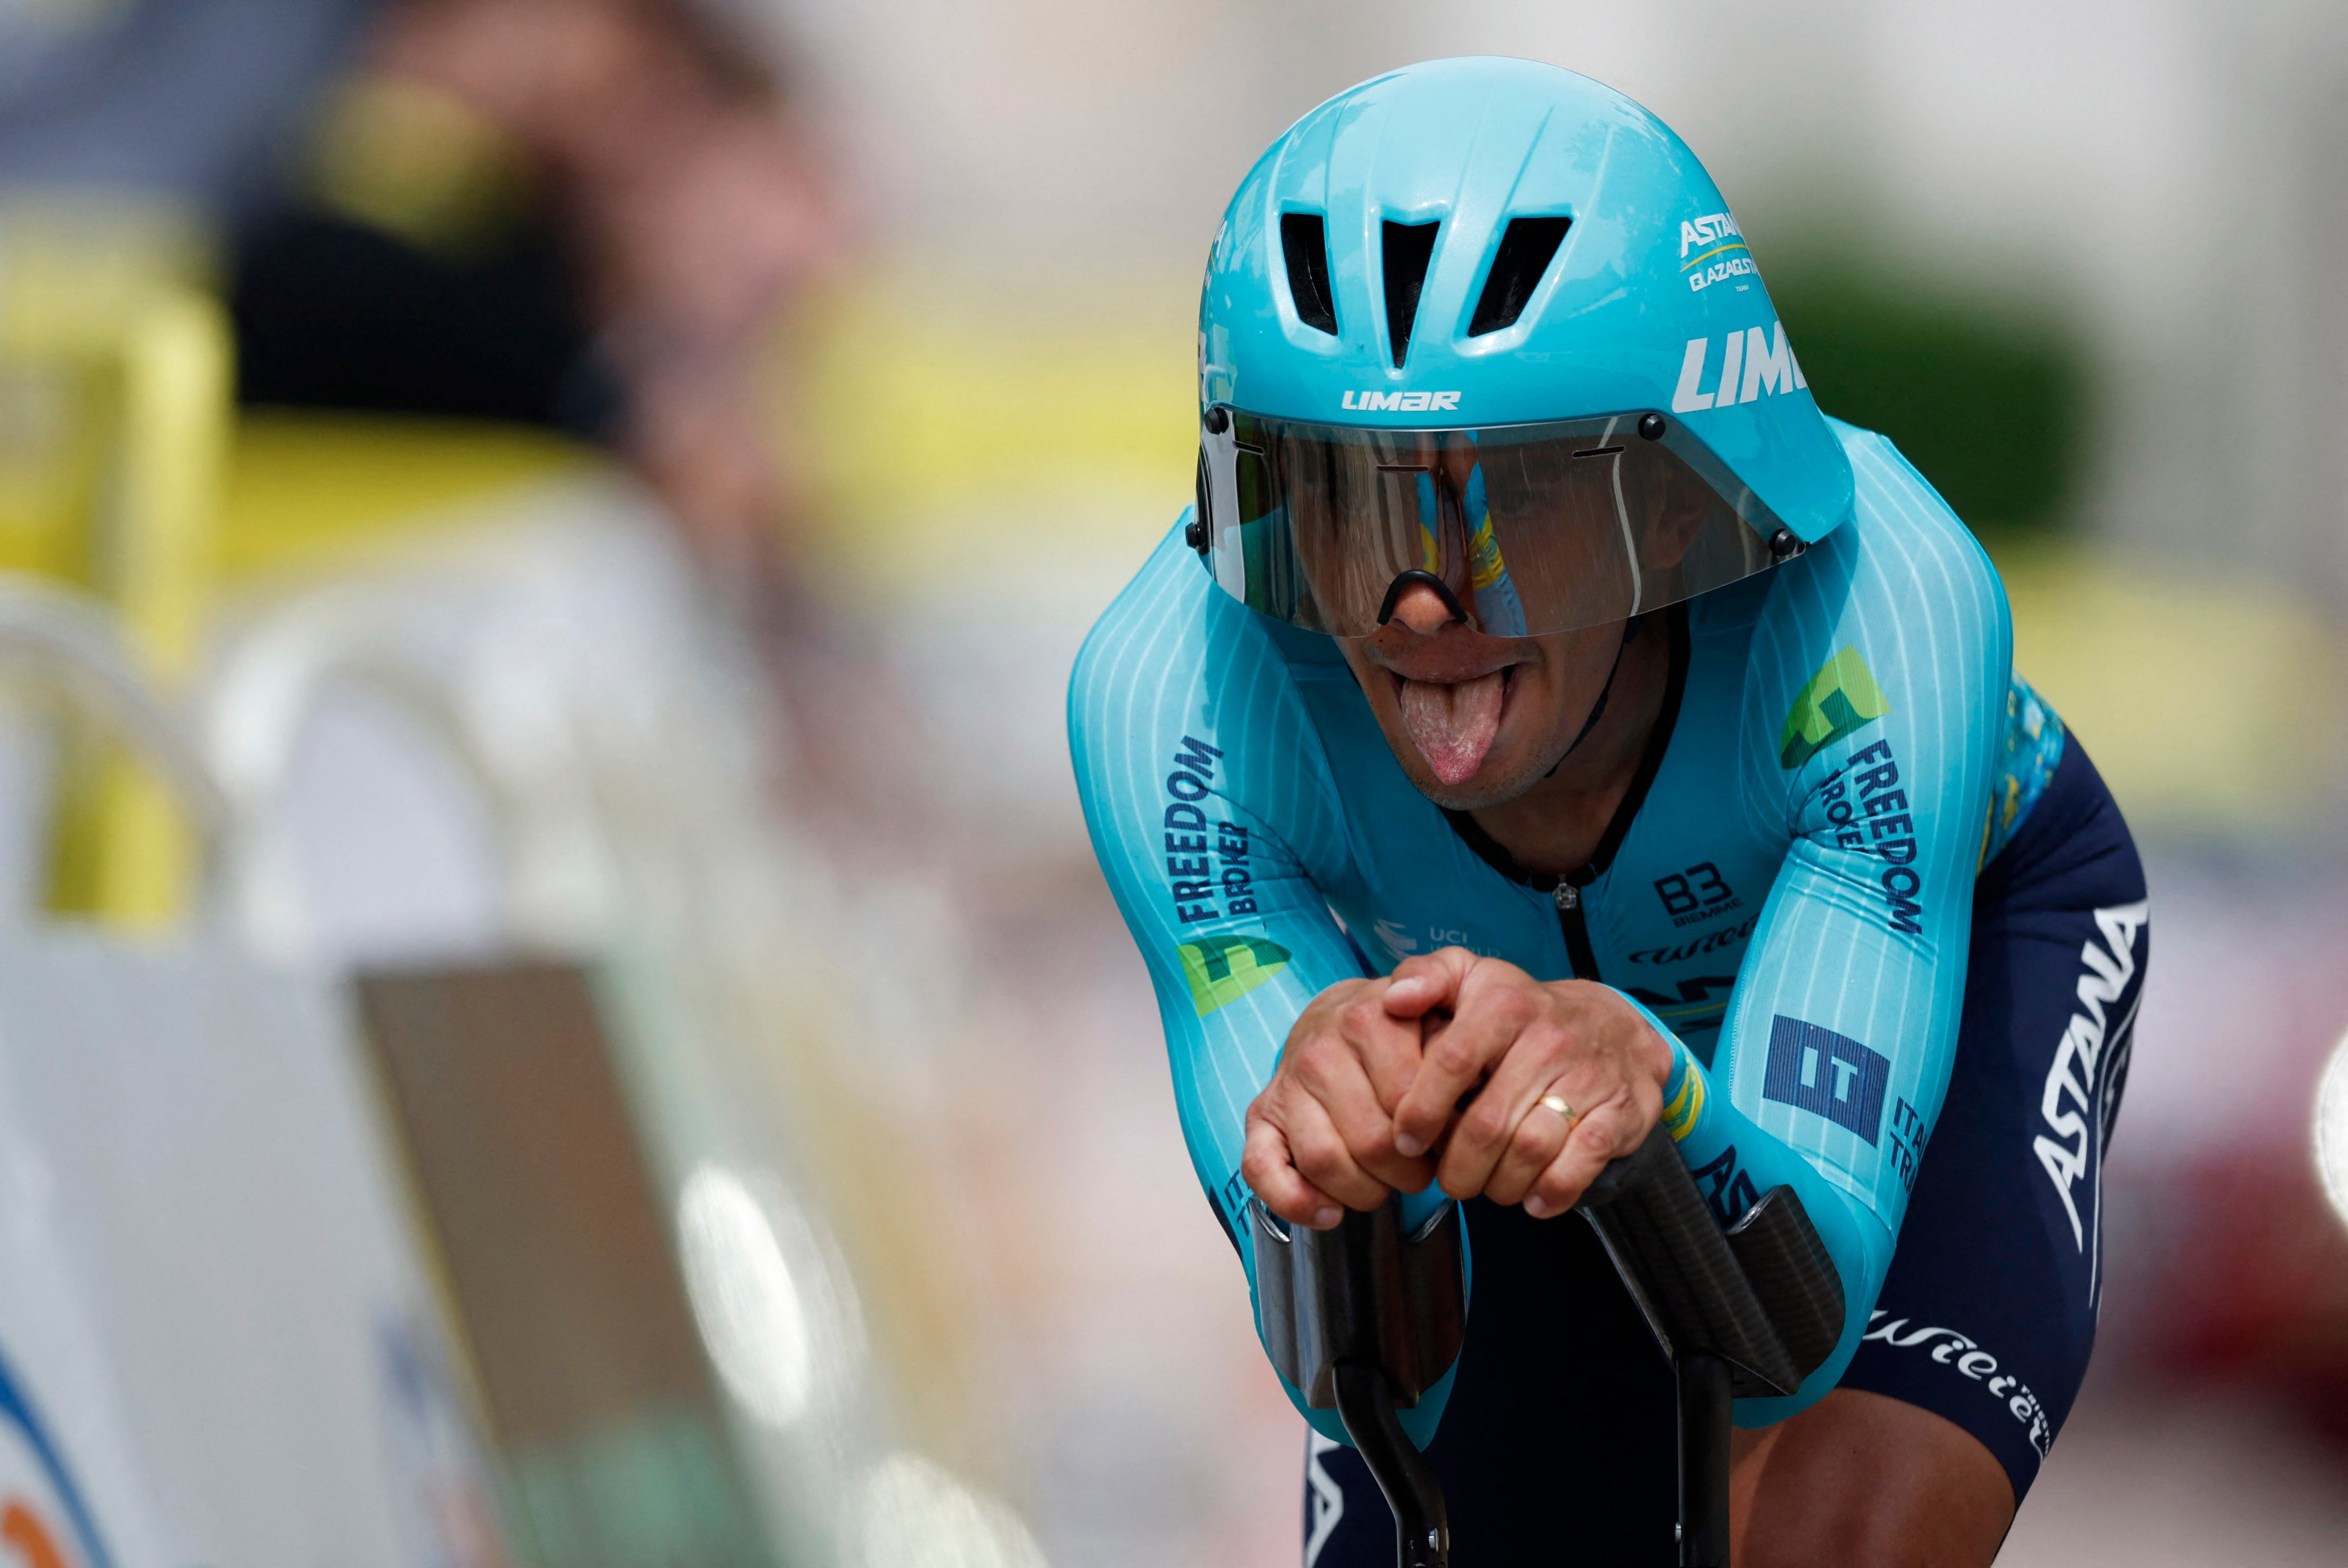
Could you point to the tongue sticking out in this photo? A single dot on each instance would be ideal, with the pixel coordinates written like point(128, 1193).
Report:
point(1454, 725)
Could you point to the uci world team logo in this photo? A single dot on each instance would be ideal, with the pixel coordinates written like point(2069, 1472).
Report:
point(44, 1520)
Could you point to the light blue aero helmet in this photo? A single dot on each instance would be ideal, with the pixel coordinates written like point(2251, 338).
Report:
point(1487, 324)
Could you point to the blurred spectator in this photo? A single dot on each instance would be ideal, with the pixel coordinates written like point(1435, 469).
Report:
point(623, 163)
point(581, 213)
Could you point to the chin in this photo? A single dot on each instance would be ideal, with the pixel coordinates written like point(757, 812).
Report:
point(1503, 777)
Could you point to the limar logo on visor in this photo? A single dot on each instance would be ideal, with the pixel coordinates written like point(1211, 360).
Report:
point(1522, 529)
point(1400, 402)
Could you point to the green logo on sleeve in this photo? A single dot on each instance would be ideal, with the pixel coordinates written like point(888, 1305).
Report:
point(1841, 698)
point(1225, 969)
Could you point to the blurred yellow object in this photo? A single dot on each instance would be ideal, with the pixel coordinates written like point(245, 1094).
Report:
point(927, 402)
point(418, 164)
point(2213, 708)
point(115, 382)
point(306, 486)
point(123, 471)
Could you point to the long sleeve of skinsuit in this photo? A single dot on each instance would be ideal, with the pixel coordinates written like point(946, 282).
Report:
point(1835, 743)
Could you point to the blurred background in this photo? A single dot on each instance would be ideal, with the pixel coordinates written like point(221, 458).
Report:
point(556, 1006)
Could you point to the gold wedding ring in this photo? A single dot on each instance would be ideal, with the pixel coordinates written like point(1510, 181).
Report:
point(1557, 1103)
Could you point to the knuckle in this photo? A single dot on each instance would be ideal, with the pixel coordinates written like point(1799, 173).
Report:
point(1453, 1056)
point(1483, 1124)
point(1321, 1158)
point(1503, 978)
point(1549, 1044)
point(1542, 1139)
point(1322, 1070)
point(1330, 1002)
point(1559, 1187)
point(1624, 1127)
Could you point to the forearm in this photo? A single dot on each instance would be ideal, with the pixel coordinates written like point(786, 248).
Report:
point(1734, 1164)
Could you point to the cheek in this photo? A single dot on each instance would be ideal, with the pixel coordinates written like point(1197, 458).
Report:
point(1542, 696)
point(1374, 681)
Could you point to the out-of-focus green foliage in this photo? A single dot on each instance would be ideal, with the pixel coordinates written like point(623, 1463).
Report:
point(1988, 398)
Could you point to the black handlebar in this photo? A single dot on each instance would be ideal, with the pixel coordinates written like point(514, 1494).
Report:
point(1751, 1311)
point(1762, 1297)
point(1364, 1319)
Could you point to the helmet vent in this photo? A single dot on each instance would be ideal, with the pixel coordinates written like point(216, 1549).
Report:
point(1526, 249)
point(1406, 250)
point(1304, 242)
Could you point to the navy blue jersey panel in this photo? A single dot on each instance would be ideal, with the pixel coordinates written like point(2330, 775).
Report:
point(1988, 1313)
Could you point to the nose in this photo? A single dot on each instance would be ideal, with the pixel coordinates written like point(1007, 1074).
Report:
point(1422, 609)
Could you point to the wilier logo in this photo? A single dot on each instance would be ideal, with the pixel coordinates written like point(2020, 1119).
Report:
point(1223, 969)
point(1841, 699)
point(1827, 1074)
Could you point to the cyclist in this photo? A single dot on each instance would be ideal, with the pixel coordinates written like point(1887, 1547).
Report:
point(1546, 723)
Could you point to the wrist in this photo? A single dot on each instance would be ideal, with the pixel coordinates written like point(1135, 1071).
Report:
point(1664, 1056)
point(1659, 1053)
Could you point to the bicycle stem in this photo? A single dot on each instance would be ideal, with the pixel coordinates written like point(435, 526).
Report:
point(1706, 1400)
point(1422, 1527)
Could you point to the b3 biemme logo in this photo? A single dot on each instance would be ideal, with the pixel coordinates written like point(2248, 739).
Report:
point(1696, 895)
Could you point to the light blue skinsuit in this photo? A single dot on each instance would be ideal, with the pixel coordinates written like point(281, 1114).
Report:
point(1790, 902)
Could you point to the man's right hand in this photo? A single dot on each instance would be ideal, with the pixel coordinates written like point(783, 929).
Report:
point(1319, 1137)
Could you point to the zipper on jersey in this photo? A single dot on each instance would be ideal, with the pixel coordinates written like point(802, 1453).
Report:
point(1573, 922)
point(1573, 925)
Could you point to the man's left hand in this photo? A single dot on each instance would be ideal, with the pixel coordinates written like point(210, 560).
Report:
point(1510, 1041)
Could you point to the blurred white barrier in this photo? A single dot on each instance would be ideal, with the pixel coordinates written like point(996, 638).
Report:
point(562, 661)
point(220, 1348)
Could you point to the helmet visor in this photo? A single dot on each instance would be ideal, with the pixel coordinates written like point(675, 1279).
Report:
point(1527, 529)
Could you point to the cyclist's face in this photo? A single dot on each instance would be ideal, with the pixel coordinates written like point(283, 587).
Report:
point(1475, 719)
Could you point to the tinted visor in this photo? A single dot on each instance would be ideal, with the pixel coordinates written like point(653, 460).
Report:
point(1527, 529)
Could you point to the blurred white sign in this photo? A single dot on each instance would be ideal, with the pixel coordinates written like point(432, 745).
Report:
point(2331, 1129)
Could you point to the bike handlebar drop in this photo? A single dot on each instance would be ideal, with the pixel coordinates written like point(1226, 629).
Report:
point(1364, 1318)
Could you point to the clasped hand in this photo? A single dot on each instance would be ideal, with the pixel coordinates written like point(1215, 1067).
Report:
point(1440, 1072)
